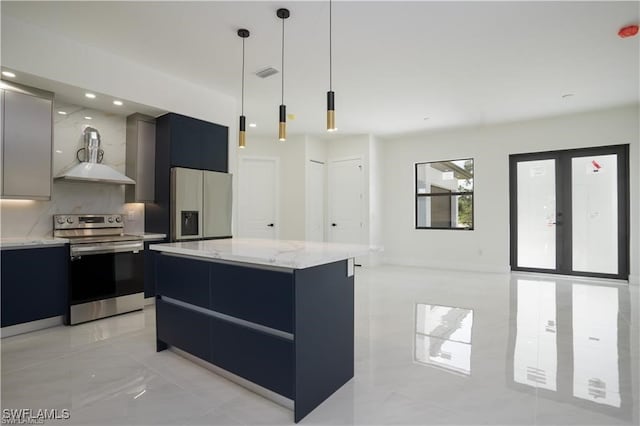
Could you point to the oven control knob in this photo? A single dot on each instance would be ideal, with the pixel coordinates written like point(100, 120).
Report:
point(110, 220)
point(60, 220)
point(118, 219)
point(69, 220)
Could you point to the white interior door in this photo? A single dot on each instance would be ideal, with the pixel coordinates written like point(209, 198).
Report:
point(316, 201)
point(345, 201)
point(258, 198)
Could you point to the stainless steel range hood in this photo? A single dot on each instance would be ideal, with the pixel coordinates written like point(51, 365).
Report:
point(90, 168)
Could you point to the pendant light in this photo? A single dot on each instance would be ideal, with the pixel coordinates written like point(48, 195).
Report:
point(242, 33)
point(331, 108)
point(282, 127)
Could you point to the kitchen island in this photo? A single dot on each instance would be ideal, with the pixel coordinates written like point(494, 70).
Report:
point(275, 316)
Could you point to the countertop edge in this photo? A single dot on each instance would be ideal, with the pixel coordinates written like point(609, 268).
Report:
point(28, 243)
point(252, 260)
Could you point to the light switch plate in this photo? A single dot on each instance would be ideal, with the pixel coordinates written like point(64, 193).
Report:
point(350, 267)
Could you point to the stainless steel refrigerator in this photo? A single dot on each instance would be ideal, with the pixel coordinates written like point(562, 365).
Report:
point(200, 204)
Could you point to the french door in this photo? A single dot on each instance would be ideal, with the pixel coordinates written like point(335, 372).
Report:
point(570, 212)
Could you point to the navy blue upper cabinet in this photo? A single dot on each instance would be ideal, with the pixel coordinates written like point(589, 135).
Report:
point(185, 142)
point(215, 147)
point(194, 143)
point(34, 284)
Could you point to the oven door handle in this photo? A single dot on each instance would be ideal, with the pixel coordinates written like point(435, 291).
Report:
point(107, 248)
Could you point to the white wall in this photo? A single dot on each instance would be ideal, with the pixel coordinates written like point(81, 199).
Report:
point(33, 219)
point(376, 201)
point(294, 156)
point(316, 150)
point(33, 50)
point(487, 247)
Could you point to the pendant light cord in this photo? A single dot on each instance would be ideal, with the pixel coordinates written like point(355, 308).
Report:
point(282, 103)
point(242, 103)
point(330, 51)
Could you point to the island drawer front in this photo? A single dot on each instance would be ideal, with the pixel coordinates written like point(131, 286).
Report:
point(183, 279)
point(258, 357)
point(259, 295)
point(184, 329)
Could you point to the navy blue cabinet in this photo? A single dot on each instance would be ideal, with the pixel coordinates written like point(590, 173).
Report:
point(34, 284)
point(256, 356)
point(290, 331)
point(214, 147)
point(271, 300)
point(183, 279)
point(184, 329)
point(150, 269)
point(194, 143)
point(183, 141)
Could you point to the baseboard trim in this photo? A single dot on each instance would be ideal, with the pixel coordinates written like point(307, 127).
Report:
point(497, 269)
point(575, 278)
point(253, 387)
point(27, 327)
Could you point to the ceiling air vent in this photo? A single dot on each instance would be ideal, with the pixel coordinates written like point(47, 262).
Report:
point(266, 72)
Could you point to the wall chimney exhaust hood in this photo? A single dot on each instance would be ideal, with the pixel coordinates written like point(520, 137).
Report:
point(90, 168)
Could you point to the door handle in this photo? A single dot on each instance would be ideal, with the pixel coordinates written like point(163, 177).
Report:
point(334, 224)
point(271, 225)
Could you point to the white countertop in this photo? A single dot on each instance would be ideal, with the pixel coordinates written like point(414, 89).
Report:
point(282, 253)
point(35, 242)
point(26, 242)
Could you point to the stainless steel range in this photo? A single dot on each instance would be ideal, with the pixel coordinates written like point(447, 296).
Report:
point(106, 273)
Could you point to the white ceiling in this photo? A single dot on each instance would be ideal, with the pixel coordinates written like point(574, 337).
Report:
point(395, 63)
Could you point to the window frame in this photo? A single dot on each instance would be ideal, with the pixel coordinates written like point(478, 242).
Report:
point(451, 194)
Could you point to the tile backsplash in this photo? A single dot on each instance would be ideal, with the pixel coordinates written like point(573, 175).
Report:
point(33, 219)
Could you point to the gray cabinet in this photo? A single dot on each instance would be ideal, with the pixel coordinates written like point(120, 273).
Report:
point(141, 156)
point(27, 141)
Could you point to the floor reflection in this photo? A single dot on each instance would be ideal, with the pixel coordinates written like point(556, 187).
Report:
point(595, 344)
point(443, 337)
point(569, 342)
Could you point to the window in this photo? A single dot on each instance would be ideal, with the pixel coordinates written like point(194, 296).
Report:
point(444, 194)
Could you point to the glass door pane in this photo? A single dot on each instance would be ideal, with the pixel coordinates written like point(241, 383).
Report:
point(594, 190)
point(536, 214)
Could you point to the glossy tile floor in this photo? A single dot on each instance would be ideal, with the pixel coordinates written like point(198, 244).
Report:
point(432, 347)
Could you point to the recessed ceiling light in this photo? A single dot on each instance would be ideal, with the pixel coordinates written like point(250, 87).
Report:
point(88, 118)
point(62, 112)
point(58, 151)
point(119, 103)
point(567, 95)
point(90, 95)
point(252, 124)
point(8, 74)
